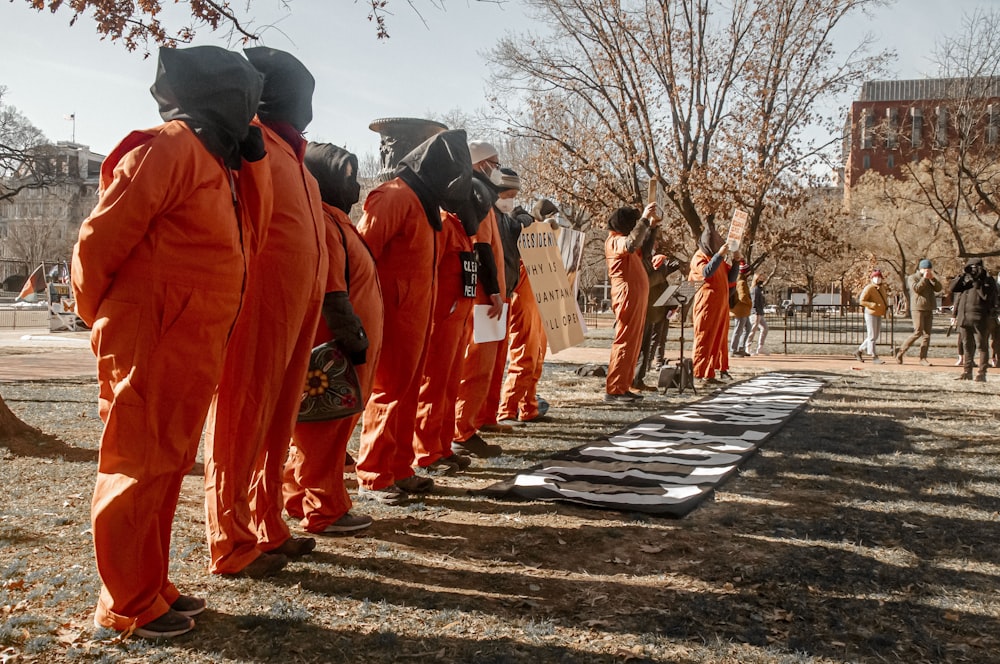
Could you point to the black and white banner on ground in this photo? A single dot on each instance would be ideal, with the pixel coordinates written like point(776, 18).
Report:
point(668, 463)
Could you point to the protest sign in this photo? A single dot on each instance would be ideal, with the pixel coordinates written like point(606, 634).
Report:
point(737, 229)
point(553, 293)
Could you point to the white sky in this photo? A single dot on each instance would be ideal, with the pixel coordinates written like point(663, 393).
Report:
point(51, 69)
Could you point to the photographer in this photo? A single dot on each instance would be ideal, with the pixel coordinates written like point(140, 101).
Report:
point(976, 315)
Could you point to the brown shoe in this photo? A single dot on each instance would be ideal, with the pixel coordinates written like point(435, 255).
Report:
point(295, 547)
point(189, 606)
point(170, 624)
point(266, 564)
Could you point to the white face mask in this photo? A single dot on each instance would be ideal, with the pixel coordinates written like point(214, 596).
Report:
point(876, 280)
point(505, 205)
point(496, 177)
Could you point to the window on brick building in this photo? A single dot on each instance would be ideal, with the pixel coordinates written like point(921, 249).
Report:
point(941, 130)
point(891, 125)
point(991, 124)
point(917, 128)
point(866, 162)
point(867, 122)
point(891, 161)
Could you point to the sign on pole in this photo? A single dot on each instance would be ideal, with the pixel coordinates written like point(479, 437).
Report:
point(553, 293)
point(737, 229)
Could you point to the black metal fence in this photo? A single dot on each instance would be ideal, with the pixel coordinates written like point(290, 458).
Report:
point(831, 325)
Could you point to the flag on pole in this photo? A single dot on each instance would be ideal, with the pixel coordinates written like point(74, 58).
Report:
point(34, 284)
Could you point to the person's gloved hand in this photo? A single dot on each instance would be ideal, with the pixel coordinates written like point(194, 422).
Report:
point(252, 147)
point(345, 326)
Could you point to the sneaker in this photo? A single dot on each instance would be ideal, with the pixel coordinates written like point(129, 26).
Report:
point(762, 352)
point(543, 406)
point(414, 484)
point(627, 397)
point(497, 427)
point(899, 358)
point(511, 423)
point(877, 360)
point(349, 523)
point(439, 467)
point(459, 460)
point(924, 362)
point(725, 374)
point(189, 606)
point(960, 361)
point(295, 547)
point(858, 357)
point(266, 564)
point(474, 445)
point(390, 495)
point(170, 624)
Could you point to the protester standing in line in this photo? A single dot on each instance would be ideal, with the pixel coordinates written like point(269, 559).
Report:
point(158, 274)
point(924, 287)
point(655, 330)
point(977, 310)
point(740, 311)
point(629, 295)
point(875, 301)
point(758, 320)
point(710, 313)
point(313, 489)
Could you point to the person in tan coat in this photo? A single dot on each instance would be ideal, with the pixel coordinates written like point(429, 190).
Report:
point(875, 301)
point(740, 312)
point(158, 274)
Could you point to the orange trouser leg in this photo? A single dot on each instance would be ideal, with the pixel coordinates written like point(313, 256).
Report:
point(722, 347)
point(477, 369)
point(265, 493)
point(439, 387)
point(155, 388)
point(258, 360)
point(518, 400)
point(314, 488)
point(625, 347)
point(386, 452)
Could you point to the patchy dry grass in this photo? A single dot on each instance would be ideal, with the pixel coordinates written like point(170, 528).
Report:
point(866, 530)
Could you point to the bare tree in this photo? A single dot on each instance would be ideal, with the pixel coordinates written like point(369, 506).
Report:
point(23, 154)
point(709, 98)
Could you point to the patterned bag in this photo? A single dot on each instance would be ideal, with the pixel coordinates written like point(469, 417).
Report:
point(332, 389)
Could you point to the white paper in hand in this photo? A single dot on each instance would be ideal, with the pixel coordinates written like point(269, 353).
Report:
point(486, 329)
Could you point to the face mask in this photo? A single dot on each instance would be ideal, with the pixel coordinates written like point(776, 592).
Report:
point(505, 205)
point(876, 280)
point(496, 177)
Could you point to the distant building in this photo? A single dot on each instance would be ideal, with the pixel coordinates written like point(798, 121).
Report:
point(42, 224)
point(895, 122)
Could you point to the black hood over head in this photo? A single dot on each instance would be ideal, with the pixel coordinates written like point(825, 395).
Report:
point(472, 212)
point(336, 170)
point(710, 240)
point(439, 171)
point(623, 219)
point(288, 87)
point(214, 91)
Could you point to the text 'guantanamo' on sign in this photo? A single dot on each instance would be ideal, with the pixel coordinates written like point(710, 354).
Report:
point(547, 274)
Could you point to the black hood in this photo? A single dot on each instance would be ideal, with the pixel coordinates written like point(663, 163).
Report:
point(472, 212)
point(288, 87)
point(336, 170)
point(623, 220)
point(214, 91)
point(439, 170)
point(710, 240)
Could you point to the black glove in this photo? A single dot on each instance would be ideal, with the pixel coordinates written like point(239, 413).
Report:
point(522, 216)
point(345, 326)
point(252, 147)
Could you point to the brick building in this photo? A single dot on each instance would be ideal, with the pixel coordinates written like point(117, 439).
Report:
point(896, 122)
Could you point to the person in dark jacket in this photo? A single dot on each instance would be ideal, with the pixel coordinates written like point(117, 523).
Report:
point(976, 315)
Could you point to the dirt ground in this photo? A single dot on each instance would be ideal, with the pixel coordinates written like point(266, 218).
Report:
point(866, 530)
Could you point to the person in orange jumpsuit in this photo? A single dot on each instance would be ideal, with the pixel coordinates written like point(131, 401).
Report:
point(482, 363)
point(314, 488)
point(711, 305)
point(251, 420)
point(456, 289)
point(629, 294)
point(400, 224)
point(158, 273)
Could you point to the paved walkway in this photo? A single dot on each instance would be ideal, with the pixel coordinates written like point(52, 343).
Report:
point(37, 354)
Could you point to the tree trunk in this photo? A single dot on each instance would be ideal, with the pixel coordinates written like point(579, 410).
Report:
point(11, 426)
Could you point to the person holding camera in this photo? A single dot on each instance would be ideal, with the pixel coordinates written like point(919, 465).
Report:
point(924, 287)
point(976, 315)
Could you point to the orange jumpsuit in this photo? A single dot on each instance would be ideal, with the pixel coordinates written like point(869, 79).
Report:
point(710, 317)
point(251, 420)
point(314, 488)
point(452, 315)
point(158, 273)
point(404, 246)
point(629, 295)
point(482, 364)
point(527, 354)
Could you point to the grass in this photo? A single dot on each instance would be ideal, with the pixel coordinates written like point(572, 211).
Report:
point(866, 530)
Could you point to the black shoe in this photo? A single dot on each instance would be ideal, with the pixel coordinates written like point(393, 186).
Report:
point(725, 374)
point(439, 467)
point(170, 624)
point(477, 447)
point(295, 547)
point(415, 484)
point(459, 460)
point(981, 378)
